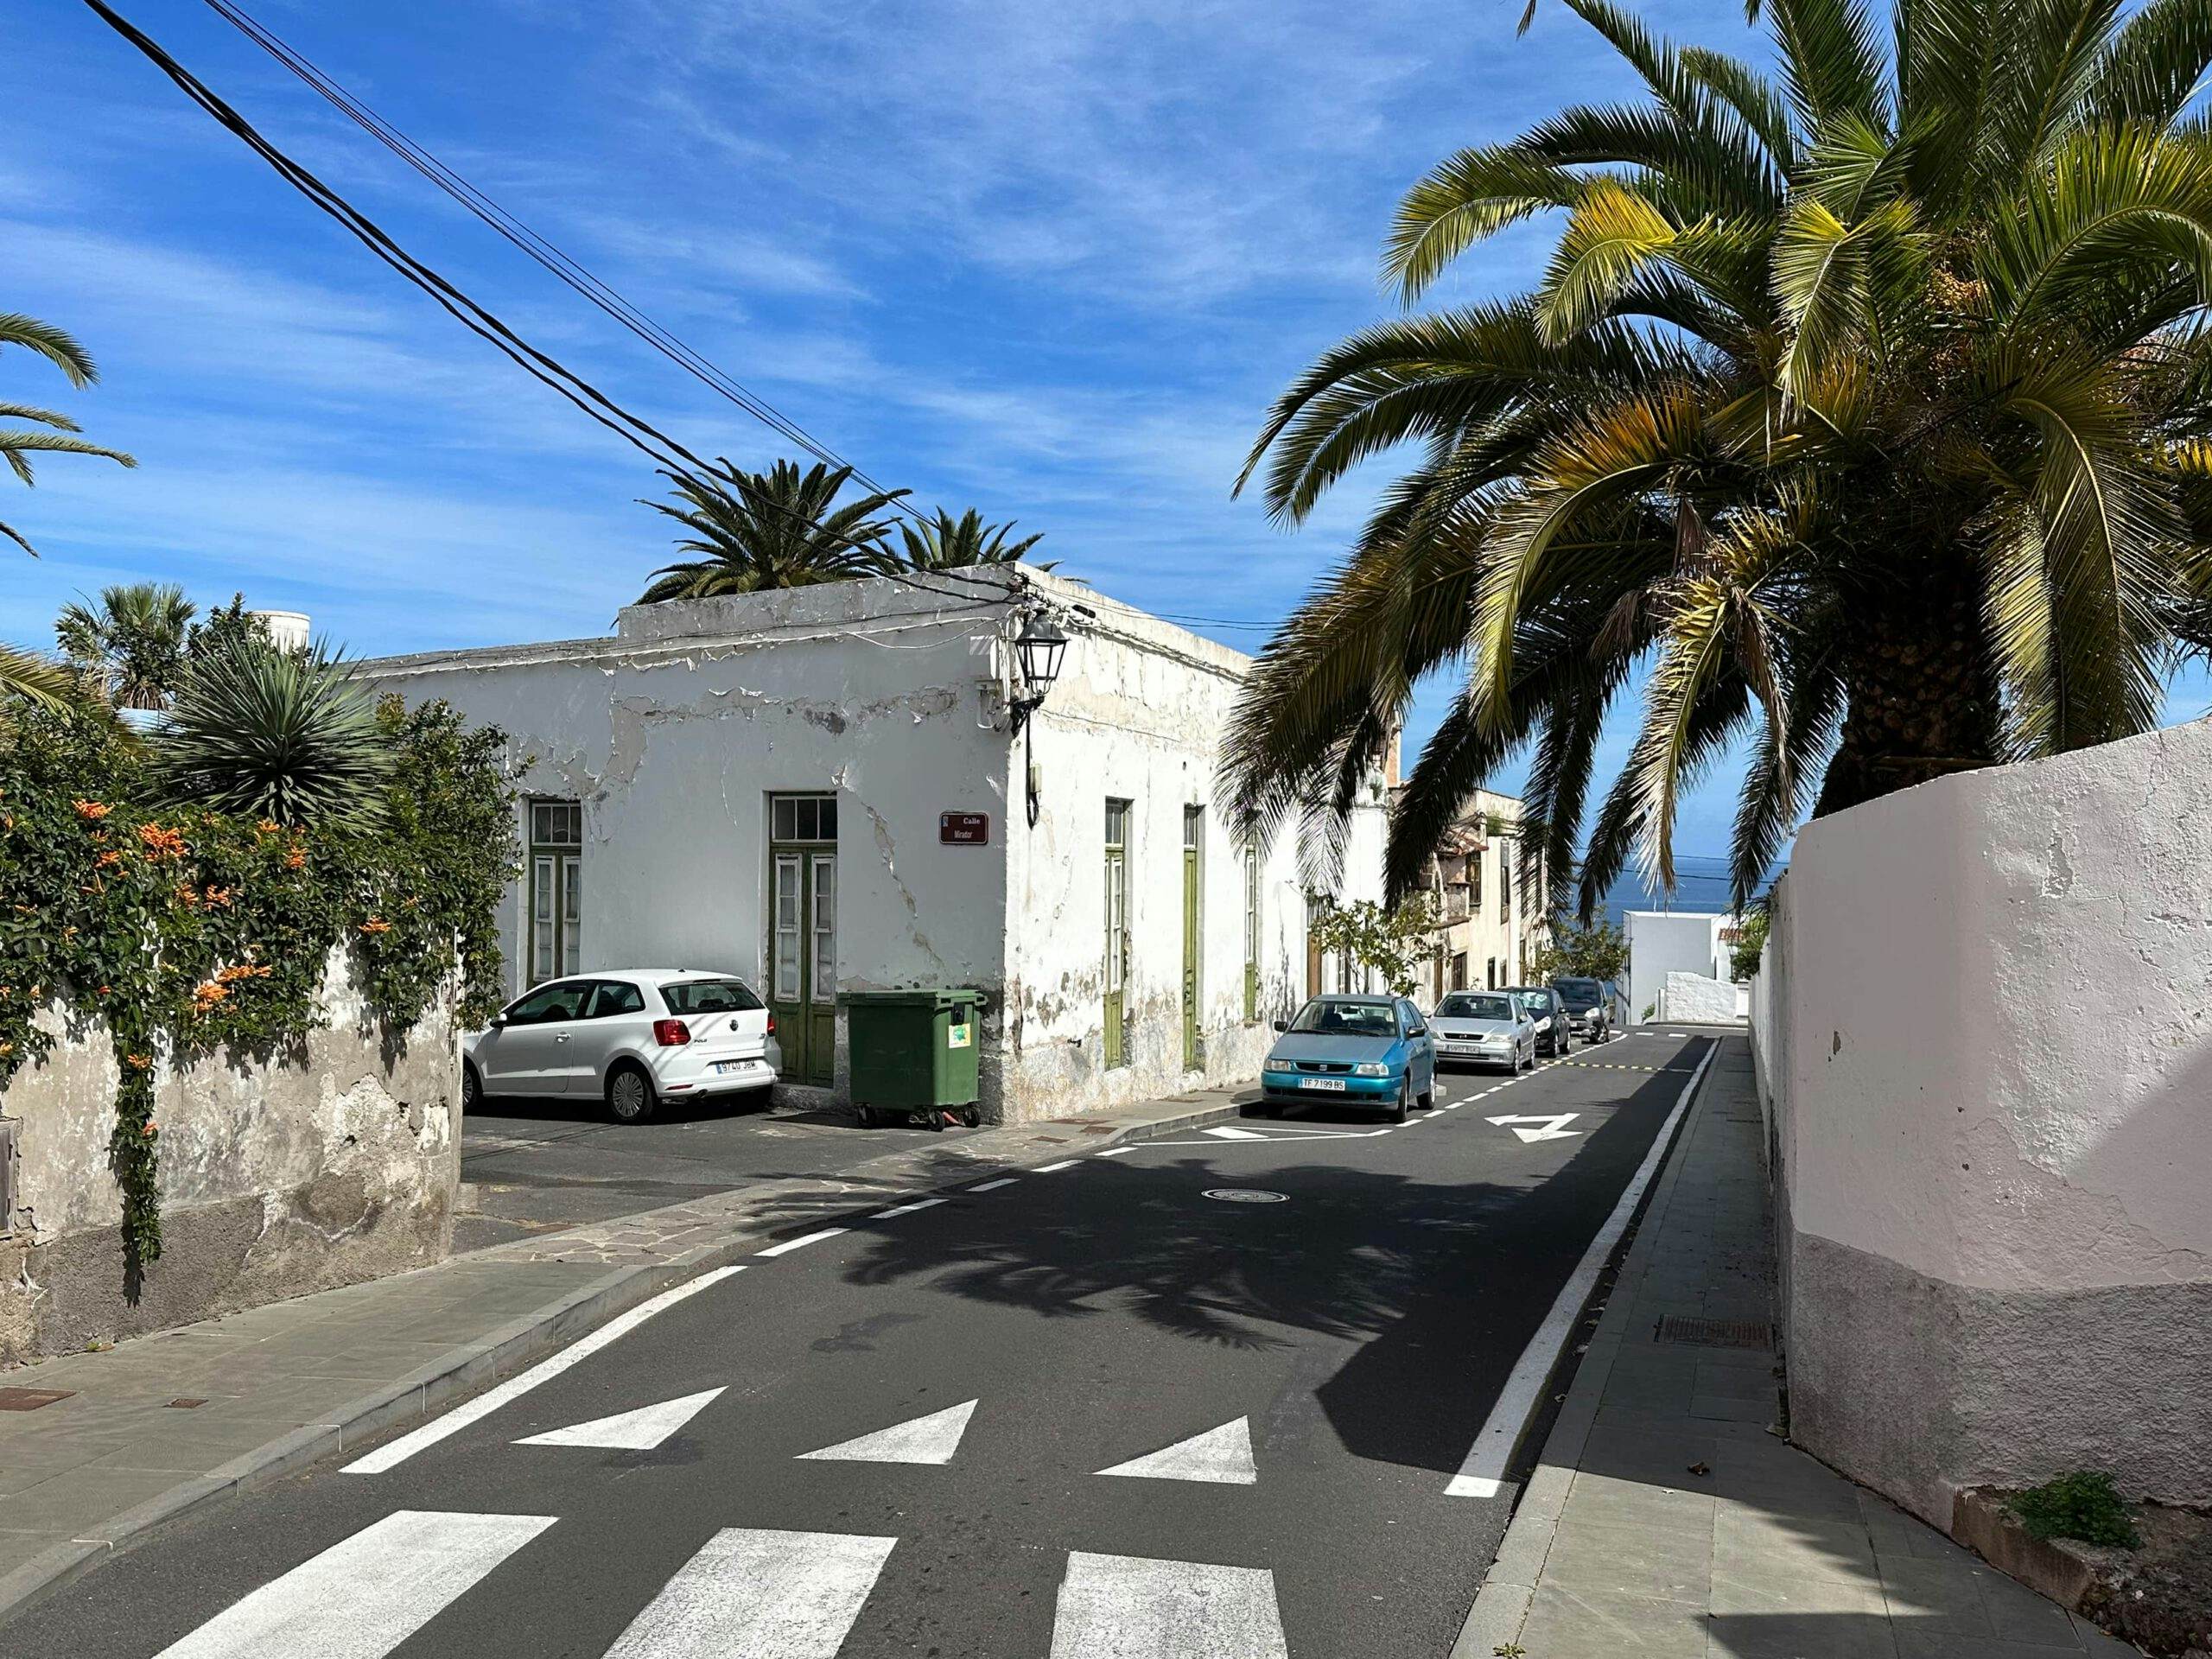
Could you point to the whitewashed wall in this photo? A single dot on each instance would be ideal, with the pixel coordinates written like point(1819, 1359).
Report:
point(1661, 942)
point(1983, 1022)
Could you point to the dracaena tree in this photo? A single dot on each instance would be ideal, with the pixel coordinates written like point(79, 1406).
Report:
point(1866, 406)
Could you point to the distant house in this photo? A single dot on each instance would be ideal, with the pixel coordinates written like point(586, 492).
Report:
point(821, 789)
point(1491, 894)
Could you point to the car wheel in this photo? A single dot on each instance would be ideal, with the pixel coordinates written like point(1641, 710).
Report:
point(1427, 1100)
point(630, 1097)
point(472, 1088)
point(1398, 1109)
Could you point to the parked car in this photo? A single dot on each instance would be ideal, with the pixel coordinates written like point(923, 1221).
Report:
point(1485, 1028)
point(1554, 1033)
point(1589, 1006)
point(633, 1036)
point(1359, 1050)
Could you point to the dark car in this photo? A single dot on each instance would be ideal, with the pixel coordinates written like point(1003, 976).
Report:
point(1589, 1006)
point(1553, 1035)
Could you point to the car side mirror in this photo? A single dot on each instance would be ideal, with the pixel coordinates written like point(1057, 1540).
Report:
point(1418, 1031)
point(498, 1022)
point(1283, 1025)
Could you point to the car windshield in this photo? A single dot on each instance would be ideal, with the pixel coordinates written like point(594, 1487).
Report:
point(1322, 1017)
point(1579, 994)
point(1536, 1001)
point(1462, 1005)
point(709, 996)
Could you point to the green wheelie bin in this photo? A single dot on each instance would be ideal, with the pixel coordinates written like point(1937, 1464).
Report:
point(912, 1054)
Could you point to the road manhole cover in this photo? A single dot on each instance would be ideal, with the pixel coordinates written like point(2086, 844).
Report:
point(1244, 1195)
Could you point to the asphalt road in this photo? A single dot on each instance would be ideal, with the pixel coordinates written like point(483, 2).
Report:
point(1120, 1408)
point(537, 1165)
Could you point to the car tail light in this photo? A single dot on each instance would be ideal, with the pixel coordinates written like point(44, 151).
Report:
point(672, 1033)
point(772, 1025)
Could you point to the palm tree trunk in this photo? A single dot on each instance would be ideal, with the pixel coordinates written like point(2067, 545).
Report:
point(1923, 696)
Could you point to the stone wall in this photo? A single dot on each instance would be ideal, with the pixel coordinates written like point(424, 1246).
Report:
point(1984, 1024)
point(1698, 998)
point(321, 1167)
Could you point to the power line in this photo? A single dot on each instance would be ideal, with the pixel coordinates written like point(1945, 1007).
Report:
point(670, 454)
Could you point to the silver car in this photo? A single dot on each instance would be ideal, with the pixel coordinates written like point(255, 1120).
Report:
point(1484, 1028)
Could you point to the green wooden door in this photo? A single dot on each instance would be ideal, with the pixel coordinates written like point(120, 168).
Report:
point(1116, 980)
point(1193, 827)
point(802, 942)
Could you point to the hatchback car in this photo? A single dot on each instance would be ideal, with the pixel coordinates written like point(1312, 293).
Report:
point(1589, 1006)
point(632, 1037)
point(1555, 1033)
point(1485, 1028)
point(1354, 1051)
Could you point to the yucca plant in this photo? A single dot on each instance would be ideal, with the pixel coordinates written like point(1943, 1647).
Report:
point(17, 445)
point(947, 543)
point(265, 732)
point(777, 528)
point(1868, 408)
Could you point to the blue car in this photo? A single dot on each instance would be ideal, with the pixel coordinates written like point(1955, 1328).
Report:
point(1352, 1051)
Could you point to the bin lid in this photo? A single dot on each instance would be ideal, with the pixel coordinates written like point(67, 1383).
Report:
point(932, 997)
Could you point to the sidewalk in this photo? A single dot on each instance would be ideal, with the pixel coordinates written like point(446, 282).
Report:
point(166, 1423)
point(1664, 1518)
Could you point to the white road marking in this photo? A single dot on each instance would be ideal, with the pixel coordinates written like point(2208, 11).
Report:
point(760, 1594)
point(1482, 1473)
point(629, 1431)
point(365, 1594)
point(1050, 1169)
point(1225, 1133)
point(1550, 1126)
point(395, 1452)
point(1126, 1607)
point(932, 1439)
point(993, 1187)
point(800, 1243)
point(906, 1208)
point(1223, 1456)
point(1114, 1152)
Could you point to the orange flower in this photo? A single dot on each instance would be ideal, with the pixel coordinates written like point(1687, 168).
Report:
point(151, 1130)
point(103, 990)
point(266, 827)
point(220, 896)
point(186, 894)
point(243, 970)
point(207, 994)
point(296, 860)
point(162, 844)
point(92, 810)
point(7, 1048)
point(376, 924)
point(107, 858)
point(137, 1062)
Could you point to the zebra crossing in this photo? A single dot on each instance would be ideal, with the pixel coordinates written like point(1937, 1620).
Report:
point(747, 1593)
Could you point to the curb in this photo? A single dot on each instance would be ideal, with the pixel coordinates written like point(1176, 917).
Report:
point(1503, 1600)
point(430, 1389)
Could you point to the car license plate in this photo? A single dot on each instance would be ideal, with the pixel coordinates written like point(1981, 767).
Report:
point(731, 1065)
point(1336, 1084)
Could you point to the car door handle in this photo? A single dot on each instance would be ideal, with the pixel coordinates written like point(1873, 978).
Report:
point(560, 1036)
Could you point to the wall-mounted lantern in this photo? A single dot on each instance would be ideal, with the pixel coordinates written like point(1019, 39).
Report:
point(1040, 645)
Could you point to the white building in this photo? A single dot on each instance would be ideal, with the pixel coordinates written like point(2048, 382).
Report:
point(1663, 942)
point(823, 788)
point(1489, 887)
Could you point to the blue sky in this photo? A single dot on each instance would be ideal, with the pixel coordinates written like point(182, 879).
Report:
point(1052, 261)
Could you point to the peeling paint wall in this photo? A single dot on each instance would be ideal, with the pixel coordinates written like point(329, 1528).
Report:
point(1984, 1019)
point(674, 734)
point(321, 1167)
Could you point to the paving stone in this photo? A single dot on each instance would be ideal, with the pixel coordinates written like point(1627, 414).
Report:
point(1916, 1644)
point(1562, 1625)
point(1956, 1598)
point(1790, 1549)
point(1668, 1564)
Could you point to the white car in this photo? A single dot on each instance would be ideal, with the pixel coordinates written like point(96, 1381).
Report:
point(633, 1036)
point(1484, 1028)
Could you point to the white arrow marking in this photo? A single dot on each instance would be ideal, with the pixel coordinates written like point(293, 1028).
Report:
point(932, 1439)
point(1126, 1607)
point(1227, 1134)
point(629, 1431)
point(758, 1594)
point(365, 1594)
point(1554, 1127)
point(1221, 1455)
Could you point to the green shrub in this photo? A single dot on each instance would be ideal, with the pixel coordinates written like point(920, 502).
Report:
point(190, 930)
point(2084, 1504)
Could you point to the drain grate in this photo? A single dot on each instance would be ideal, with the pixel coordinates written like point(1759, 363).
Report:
point(31, 1399)
point(1715, 1333)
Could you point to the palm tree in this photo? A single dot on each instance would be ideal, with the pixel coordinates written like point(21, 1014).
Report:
point(133, 641)
point(777, 529)
point(16, 446)
point(1869, 408)
point(947, 543)
point(288, 735)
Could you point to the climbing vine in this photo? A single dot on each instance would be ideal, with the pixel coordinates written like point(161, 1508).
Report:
point(191, 932)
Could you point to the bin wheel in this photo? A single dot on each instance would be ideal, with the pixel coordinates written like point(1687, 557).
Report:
point(867, 1117)
point(972, 1117)
point(936, 1121)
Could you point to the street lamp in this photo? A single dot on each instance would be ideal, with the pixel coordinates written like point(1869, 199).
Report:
point(1040, 646)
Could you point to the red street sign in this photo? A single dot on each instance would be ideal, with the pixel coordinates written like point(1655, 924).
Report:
point(963, 828)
